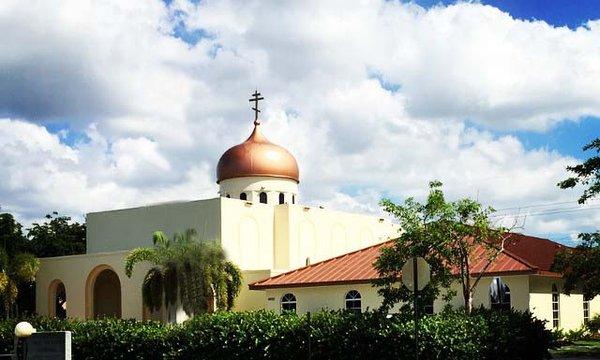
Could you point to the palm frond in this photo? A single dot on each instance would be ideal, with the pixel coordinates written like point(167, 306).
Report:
point(139, 255)
point(159, 239)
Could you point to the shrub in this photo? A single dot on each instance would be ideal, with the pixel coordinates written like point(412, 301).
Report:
point(593, 325)
point(515, 335)
point(324, 335)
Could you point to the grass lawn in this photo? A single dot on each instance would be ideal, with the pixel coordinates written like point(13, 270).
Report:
point(589, 349)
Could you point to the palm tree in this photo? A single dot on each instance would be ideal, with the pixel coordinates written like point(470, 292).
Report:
point(15, 270)
point(195, 270)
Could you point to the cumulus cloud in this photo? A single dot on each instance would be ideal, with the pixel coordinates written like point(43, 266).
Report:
point(374, 99)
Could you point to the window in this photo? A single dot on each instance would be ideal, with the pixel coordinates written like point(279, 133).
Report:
point(555, 307)
point(586, 310)
point(428, 305)
point(262, 197)
point(281, 198)
point(499, 295)
point(228, 196)
point(353, 301)
point(288, 303)
point(243, 196)
point(293, 199)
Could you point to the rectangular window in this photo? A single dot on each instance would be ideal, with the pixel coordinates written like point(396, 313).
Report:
point(586, 310)
point(555, 307)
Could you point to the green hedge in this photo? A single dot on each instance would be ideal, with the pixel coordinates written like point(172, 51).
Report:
point(325, 335)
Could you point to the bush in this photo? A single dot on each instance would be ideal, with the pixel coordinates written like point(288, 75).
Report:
point(593, 325)
point(324, 335)
point(515, 335)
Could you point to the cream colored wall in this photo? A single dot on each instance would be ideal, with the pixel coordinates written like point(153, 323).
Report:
point(312, 299)
point(247, 233)
point(332, 297)
point(570, 307)
point(73, 271)
point(126, 229)
point(519, 293)
point(319, 234)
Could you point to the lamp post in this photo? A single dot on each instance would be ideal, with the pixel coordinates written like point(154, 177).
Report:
point(22, 330)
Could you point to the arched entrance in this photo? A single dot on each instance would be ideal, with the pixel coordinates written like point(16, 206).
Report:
point(103, 293)
point(57, 299)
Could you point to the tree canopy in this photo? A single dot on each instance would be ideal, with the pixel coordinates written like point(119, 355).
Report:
point(17, 266)
point(446, 234)
point(581, 266)
point(187, 267)
point(57, 236)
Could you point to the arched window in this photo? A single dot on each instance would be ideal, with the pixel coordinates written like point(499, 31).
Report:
point(57, 300)
point(262, 197)
point(288, 303)
point(243, 196)
point(103, 293)
point(281, 198)
point(555, 307)
point(499, 295)
point(353, 301)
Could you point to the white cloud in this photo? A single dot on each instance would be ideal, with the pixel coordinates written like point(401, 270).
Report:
point(372, 99)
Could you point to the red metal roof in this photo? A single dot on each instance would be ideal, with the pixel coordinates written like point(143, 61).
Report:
point(522, 255)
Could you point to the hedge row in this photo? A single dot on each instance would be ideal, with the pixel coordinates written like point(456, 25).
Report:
point(325, 335)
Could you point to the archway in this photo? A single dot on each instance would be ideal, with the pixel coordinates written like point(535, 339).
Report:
point(103, 293)
point(57, 299)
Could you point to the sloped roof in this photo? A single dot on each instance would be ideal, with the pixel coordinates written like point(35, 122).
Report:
point(522, 255)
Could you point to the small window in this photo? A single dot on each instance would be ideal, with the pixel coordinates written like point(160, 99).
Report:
point(243, 196)
point(353, 301)
point(262, 197)
point(281, 198)
point(499, 295)
point(586, 310)
point(428, 305)
point(228, 196)
point(293, 199)
point(288, 303)
point(555, 307)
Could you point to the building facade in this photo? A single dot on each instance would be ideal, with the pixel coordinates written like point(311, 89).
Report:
point(258, 220)
point(520, 277)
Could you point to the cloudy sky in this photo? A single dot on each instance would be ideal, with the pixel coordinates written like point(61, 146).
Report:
point(109, 104)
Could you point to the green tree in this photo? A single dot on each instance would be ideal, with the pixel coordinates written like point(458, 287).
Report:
point(17, 267)
point(195, 270)
point(446, 234)
point(581, 266)
point(57, 236)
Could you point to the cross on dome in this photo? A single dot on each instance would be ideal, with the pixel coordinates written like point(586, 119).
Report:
point(256, 98)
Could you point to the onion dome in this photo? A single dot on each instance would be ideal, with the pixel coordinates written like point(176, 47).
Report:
point(257, 156)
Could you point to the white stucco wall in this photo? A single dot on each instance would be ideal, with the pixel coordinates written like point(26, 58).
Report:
point(125, 229)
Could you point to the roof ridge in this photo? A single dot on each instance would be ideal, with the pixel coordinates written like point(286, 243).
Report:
point(519, 259)
point(321, 262)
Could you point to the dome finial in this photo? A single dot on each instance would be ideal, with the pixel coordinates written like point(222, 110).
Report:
point(255, 98)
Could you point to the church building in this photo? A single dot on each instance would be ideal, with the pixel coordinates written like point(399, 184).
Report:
point(258, 219)
point(293, 257)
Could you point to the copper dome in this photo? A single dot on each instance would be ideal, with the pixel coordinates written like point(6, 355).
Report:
point(257, 156)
